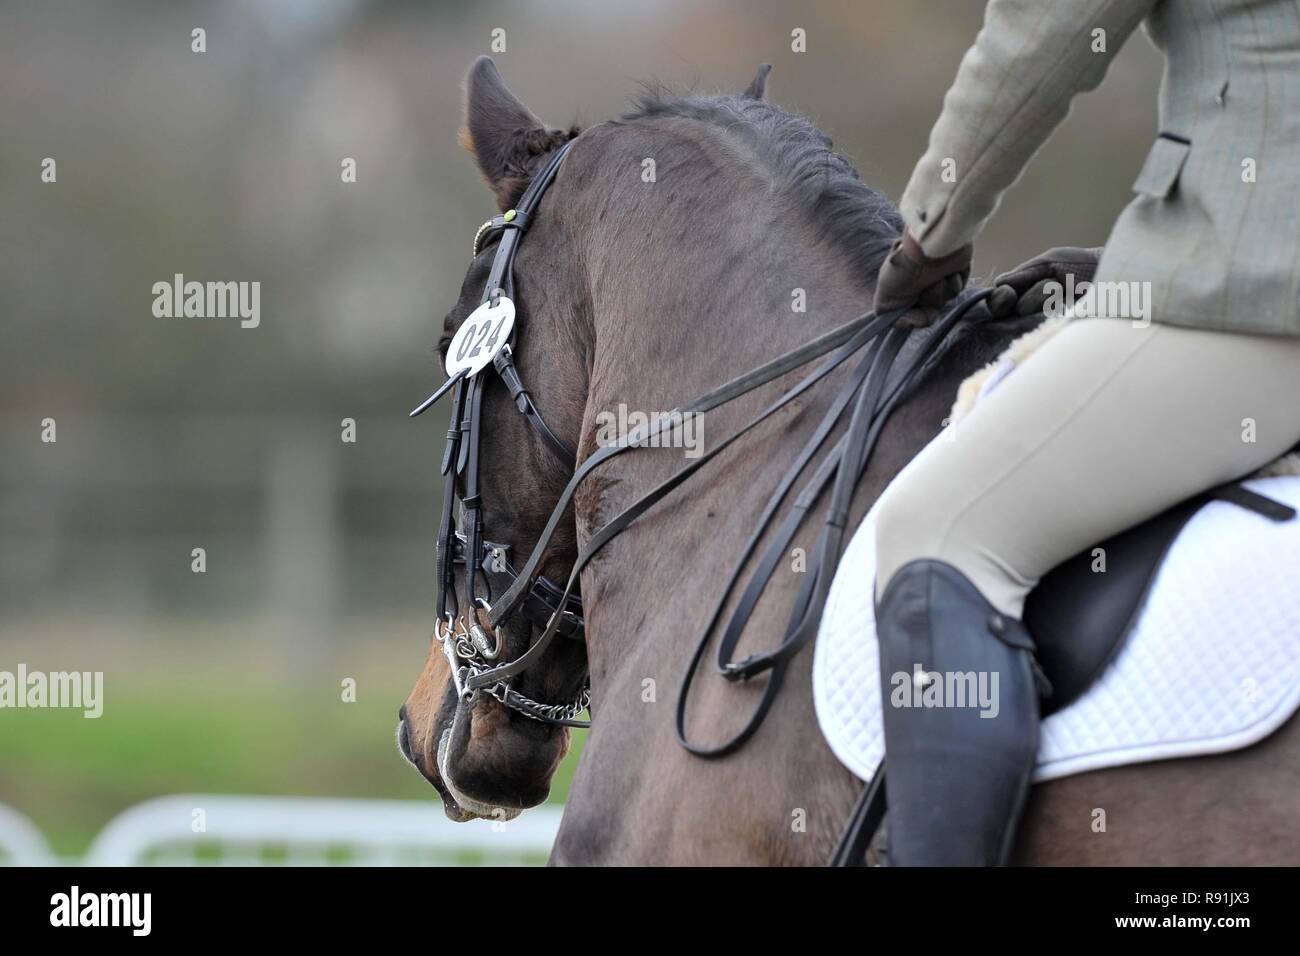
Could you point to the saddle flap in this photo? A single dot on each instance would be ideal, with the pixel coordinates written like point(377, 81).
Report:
point(1083, 609)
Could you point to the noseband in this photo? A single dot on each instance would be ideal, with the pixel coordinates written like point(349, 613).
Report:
point(883, 375)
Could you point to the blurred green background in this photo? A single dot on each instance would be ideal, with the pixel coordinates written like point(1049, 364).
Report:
point(182, 433)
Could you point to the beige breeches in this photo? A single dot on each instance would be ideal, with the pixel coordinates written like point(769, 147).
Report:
point(1107, 424)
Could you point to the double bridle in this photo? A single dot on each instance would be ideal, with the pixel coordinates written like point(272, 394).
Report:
point(881, 378)
point(464, 636)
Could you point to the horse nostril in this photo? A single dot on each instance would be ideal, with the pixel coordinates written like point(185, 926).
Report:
point(401, 713)
point(404, 741)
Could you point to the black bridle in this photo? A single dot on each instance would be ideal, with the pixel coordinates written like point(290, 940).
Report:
point(465, 641)
point(884, 374)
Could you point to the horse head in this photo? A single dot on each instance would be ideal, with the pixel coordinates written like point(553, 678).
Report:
point(487, 759)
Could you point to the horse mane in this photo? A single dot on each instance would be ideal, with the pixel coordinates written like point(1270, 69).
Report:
point(858, 220)
point(801, 162)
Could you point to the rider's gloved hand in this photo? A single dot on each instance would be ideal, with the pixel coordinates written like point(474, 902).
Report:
point(1023, 290)
point(909, 279)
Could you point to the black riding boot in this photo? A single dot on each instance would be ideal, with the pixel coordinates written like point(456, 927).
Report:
point(960, 704)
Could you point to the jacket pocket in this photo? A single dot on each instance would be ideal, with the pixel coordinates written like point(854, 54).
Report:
point(1163, 166)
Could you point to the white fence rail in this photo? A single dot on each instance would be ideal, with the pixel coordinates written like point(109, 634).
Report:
point(207, 830)
point(21, 844)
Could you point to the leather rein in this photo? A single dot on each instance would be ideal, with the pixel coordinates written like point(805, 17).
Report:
point(878, 382)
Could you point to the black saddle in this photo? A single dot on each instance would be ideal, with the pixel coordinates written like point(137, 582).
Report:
point(1080, 616)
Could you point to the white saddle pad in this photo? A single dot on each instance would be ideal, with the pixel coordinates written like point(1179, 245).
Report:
point(1212, 665)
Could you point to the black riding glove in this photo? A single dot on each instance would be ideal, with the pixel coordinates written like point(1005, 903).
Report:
point(1023, 290)
point(909, 279)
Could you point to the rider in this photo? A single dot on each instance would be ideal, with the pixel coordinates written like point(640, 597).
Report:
point(1116, 417)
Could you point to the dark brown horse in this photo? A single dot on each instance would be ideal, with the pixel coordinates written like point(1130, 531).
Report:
point(669, 255)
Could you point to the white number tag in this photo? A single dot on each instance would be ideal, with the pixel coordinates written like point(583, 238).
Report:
point(481, 337)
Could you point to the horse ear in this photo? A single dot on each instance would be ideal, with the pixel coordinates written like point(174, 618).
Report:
point(756, 88)
point(502, 134)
